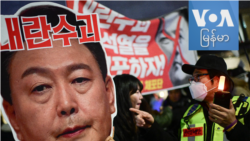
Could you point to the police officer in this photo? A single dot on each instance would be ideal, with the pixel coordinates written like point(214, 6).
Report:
point(206, 120)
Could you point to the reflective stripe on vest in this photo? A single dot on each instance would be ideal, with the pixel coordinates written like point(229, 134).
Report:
point(193, 138)
point(199, 123)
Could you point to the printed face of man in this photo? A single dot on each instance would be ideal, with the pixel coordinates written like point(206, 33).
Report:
point(59, 94)
point(166, 43)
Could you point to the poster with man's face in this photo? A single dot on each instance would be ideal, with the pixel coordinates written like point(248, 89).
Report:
point(55, 82)
point(151, 50)
point(172, 38)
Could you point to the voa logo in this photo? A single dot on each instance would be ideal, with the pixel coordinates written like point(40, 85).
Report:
point(213, 25)
point(200, 19)
point(205, 39)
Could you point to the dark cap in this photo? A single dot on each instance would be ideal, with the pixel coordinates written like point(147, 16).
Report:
point(210, 62)
point(207, 62)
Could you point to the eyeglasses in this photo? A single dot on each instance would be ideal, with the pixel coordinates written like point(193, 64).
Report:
point(196, 78)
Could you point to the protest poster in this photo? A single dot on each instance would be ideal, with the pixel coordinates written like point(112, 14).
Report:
point(55, 83)
point(151, 50)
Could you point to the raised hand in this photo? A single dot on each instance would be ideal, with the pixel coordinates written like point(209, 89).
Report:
point(143, 119)
point(221, 115)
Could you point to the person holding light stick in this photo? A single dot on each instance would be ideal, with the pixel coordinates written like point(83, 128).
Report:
point(215, 116)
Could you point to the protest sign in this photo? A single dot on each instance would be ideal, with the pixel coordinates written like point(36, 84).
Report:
point(152, 50)
point(55, 83)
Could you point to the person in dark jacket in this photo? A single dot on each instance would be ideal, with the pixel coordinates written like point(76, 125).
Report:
point(132, 124)
point(179, 104)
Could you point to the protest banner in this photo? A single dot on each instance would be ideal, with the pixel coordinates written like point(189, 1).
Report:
point(152, 50)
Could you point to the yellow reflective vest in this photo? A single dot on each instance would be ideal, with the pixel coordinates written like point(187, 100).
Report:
point(193, 124)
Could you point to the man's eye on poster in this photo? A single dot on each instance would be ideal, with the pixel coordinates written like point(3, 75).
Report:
point(58, 64)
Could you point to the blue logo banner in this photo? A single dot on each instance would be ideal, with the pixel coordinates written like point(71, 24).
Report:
point(213, 25)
